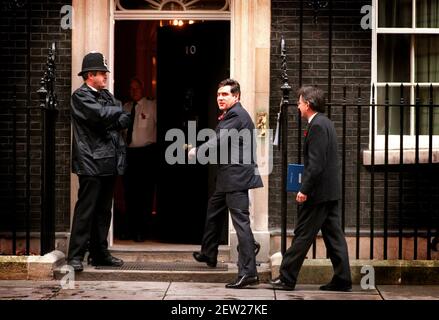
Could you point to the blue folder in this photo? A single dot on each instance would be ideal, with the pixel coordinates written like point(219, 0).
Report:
point(294, 177)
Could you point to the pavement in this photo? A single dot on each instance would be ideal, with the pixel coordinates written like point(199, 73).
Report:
point(149, 290)
point(196, 300)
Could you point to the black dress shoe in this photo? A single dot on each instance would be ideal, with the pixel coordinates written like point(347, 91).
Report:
point(76, 264)
point(279, 284)
point(107, 261)
point(242, 282)
point(203, 258)
point(332, 286)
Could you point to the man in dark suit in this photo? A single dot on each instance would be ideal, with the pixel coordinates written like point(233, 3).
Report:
point(319, 198)
point(237, 173)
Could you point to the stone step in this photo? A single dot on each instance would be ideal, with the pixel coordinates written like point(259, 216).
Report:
point(152, 261)
point(164, 255)
point(153, 251)
point(225, 273)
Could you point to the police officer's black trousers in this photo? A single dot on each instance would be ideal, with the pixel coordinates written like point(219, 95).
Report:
point(92, 217)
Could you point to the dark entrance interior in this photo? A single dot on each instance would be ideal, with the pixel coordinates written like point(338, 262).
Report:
point(181, 66)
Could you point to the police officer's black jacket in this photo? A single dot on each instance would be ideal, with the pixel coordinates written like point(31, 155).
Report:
point(98, 148)
point(237, 168)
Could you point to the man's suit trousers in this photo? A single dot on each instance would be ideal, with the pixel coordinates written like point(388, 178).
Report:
point(238, 203)
point(312, 218)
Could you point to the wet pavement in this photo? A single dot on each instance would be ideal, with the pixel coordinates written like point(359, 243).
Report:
point(147, 290)
point(201, 300)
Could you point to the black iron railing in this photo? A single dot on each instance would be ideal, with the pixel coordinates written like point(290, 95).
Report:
point(21, 215)
point(366, 199)
point(48, 105)
point(371, 205)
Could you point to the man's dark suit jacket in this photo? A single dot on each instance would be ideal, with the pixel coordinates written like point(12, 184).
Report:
point(321, 179)
point(235, 133)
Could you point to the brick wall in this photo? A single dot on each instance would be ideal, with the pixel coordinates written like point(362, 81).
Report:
point(351, 67)
point(26, 36)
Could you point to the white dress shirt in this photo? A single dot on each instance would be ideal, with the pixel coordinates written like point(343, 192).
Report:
point(145, 122)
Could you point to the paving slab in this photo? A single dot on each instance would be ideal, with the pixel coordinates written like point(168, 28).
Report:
point(409, 292)
point(24, 293)
point(29, 283)
point(74, 294)
point(121, 285)
point(113, 290)
point(218, 291)
point(312, 292)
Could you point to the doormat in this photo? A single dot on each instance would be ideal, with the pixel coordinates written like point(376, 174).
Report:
point(166, 266)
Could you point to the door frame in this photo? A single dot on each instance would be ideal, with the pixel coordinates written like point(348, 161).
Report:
point(154, 16)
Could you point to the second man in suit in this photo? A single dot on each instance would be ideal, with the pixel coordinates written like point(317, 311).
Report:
point(319, 198)
point(237, 173)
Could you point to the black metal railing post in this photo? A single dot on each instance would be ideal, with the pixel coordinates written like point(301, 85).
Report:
point(372, 175)
point(386, 167)
point(286, 88)
point(430, 167)
point(343, 163)
point(358, 177)
point(28, 127)
point(48, 105)
point(14, 172)
point(417, 193)
point(329, 57)
point(401, 168)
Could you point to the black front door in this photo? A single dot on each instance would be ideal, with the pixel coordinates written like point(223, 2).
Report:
point(191, 61)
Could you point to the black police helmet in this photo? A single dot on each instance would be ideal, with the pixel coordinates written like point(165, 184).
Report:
point(94, 61)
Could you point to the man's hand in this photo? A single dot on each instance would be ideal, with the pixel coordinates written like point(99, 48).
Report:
point(192, 153)
point(301, 197)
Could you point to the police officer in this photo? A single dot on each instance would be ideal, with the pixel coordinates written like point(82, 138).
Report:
point(98, 155)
